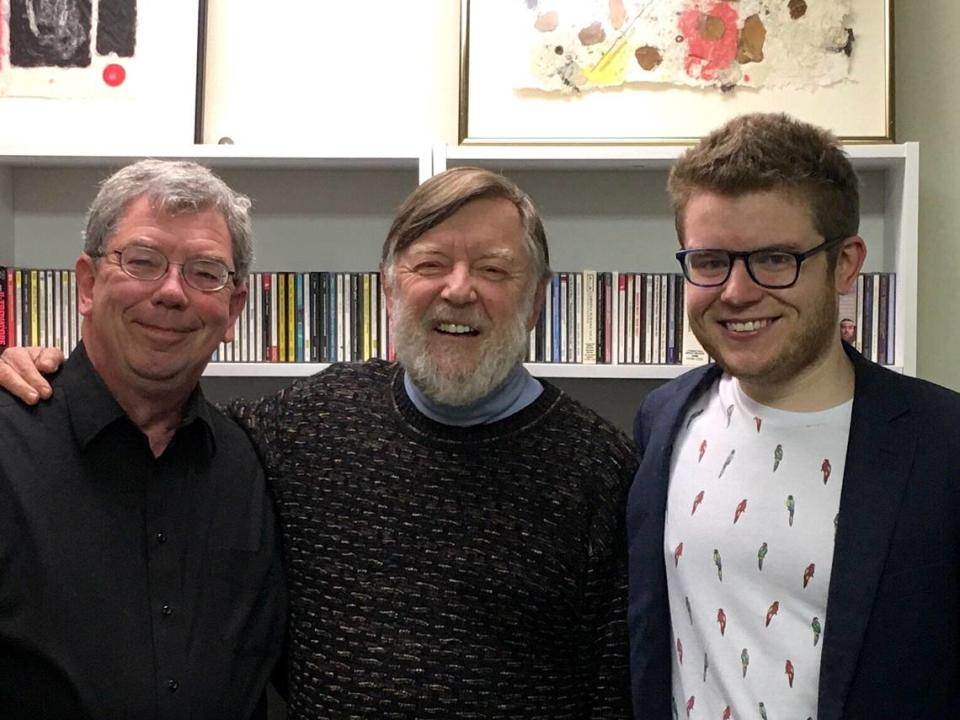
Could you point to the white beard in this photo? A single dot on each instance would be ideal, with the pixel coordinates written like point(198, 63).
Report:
point(447, 380)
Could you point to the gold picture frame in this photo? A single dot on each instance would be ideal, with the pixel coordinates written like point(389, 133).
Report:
point(491, 112)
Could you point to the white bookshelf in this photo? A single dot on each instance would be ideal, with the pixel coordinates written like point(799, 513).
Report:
point(605, 208)
point(328, 208)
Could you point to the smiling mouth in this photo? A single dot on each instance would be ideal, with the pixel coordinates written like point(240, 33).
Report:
point(745, 326)
point(157, 328)
point(456, 329)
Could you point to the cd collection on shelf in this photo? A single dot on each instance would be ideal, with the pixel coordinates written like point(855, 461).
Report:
point(610, 318)
point(317, 317)
point(589, 317)
point(868, 314)
point(39, 307)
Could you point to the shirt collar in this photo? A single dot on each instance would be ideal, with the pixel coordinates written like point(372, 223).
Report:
point(93, 408)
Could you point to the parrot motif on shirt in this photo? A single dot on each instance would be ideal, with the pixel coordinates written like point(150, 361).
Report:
point(744, 660)
point(727, 462)
point(696, 502)
point(722, 621)
point(673, 706)
point(693, 416)
point(741, 509)
point(761, 554)
point(686, 601)
point(727, 713)
point(777, 457)
point(758, 421)
point(791, 506)
point(808, 573)
point(703, 449)
point(690, 703)
point(788, 669)
point(817, 629)
point(706, 665)
point(679, 651)
point(729, 414)
point(772, 610)
point(763, 712)
point(825, 468)
point(678, 551)
point(719, 563)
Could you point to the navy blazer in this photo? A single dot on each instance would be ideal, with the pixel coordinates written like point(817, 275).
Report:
point(891, 643)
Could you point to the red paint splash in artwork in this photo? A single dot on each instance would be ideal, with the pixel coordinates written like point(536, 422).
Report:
point(114, 75)
point(711, 40)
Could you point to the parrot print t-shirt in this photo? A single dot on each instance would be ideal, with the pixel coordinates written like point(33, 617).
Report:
point(749, 536)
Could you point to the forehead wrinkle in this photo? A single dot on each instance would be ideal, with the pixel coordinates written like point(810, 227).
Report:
point(432, 248)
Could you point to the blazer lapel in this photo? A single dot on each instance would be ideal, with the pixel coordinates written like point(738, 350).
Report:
point(879, 455)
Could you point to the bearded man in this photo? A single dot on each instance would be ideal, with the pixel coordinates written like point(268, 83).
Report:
point(454, 527)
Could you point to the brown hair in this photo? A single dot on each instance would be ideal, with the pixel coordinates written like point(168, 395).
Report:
point(442, 195)
point(762, 152)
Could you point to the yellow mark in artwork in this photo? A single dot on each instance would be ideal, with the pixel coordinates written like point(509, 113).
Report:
point(610, 69)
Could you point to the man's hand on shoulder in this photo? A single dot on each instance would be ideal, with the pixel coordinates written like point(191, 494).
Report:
point(22, 368)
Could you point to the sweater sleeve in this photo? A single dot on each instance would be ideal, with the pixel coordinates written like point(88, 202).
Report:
point(605, 649)
point(261, 421)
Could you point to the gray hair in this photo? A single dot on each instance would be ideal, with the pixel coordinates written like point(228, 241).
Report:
point(444, 194)
point(172, 187)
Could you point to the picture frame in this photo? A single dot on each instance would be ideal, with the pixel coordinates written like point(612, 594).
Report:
point(859, 109)
point(118, 75)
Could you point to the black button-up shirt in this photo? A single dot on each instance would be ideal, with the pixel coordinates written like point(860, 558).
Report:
point(132, 586)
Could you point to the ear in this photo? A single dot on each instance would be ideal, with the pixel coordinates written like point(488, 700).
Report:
point(238, 299)
point(86, 268)
point(853, 253)
point(537, 304)
point(387, 288)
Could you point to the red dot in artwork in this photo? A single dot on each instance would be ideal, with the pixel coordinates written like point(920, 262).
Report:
point(114, 75)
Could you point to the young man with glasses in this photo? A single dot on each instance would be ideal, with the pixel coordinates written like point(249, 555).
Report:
point(139, 565)
point(793, 527)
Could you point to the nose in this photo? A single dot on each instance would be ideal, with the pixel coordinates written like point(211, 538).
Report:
point(740, 289)
point(172, 290)
point(458, 287)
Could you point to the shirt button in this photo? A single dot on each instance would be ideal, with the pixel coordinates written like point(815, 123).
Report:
point(166, 610)
point(161, 538)
point(172, 685)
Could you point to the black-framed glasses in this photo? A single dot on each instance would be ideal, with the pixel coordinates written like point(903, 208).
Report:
point(145, 263)
point(774, 269)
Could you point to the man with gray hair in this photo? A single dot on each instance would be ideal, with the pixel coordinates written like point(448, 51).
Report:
point(453, 527)
point(139, 569)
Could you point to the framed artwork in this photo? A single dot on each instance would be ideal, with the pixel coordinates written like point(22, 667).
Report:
point(669, 71)
point(100, 72)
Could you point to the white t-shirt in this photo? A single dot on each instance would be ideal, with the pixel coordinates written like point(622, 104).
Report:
point(749, 535)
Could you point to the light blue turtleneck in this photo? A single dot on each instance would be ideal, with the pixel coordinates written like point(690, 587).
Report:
point(518, 390)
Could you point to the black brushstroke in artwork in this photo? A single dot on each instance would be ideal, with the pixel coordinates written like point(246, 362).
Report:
point(117, 27)
point(50, 33)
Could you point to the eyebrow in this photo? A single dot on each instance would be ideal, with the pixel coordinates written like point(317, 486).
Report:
point(493, 253)
point(143, 242)
point(777, 247)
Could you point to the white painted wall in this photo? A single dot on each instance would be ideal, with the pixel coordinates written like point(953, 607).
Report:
point(374, 72)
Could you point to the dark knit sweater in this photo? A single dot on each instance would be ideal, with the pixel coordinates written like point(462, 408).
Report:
point(444, 572)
